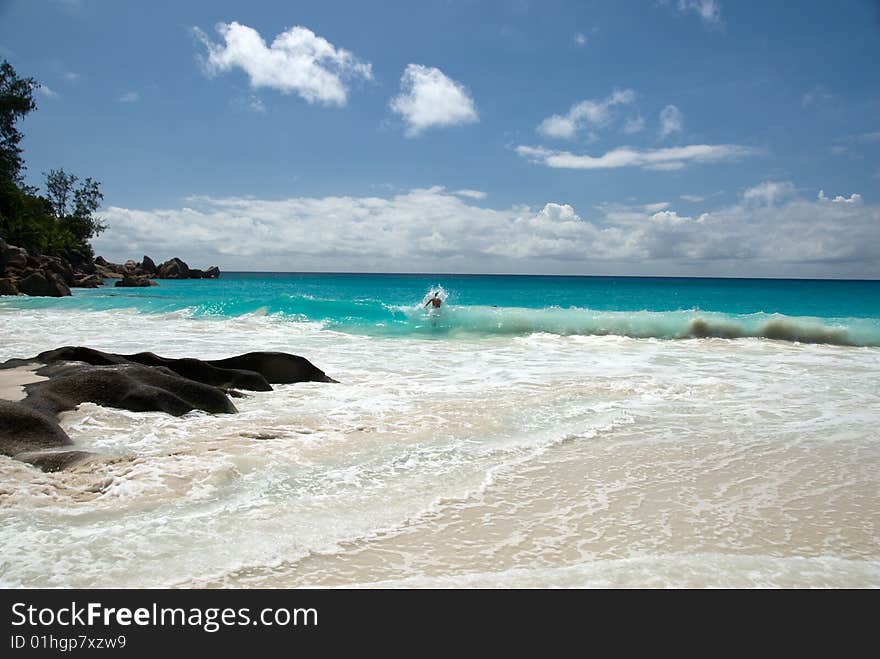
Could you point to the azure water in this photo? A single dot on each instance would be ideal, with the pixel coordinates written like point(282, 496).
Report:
point(813, 311)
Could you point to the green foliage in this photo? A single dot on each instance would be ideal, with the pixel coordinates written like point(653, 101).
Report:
point(62, 222)
point(16, 101)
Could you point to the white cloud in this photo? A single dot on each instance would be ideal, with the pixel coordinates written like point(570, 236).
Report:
point(671, 121)
point(436, 230)
point(46, 92)
point(298, 61)
point(428, 99)
point(854, 198)
point(130, 97)
point(589, 113)
point(255, 104)
point(634, 125)
point(580, 39)
point(656, 207)
point(669, 158)
point(693, 198)
point(709, 11)
point(471, 194)
point(769, 192)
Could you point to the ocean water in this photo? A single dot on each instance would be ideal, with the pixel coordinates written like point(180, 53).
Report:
point(536, 432)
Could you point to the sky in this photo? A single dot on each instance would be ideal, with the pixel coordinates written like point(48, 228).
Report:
point(634, 137)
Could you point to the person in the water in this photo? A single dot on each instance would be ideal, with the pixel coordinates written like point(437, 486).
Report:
point(435, 301)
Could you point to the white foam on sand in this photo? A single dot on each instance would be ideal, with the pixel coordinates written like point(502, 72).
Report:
point(536, 460)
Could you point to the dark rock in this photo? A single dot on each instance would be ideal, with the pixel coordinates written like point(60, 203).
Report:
point(130, 266)
point(7, 287)
point(104, 265)
point(135, 281)
point(212, 273)
point(195, 273)
point(149, 266)
point(89, 281)
point(174, 269)
point(59, 266)
point(276, 367)
point(23, 428)
point(59, 286)
point(193, 369)
point(56, 460)
point(108, 274)
point(125, 386)
point(74, 354)
point(34, 284)
point(16, 257)
point(140, 382)
point(3, 248)
point(42, 283)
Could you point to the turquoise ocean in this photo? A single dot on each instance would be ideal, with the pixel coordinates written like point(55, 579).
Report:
point(533, 432)
point(815, 311)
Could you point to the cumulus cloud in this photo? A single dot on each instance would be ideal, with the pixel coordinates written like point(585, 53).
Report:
point(437, 230)
point(839, 199)
point(589, 113)
point(429, 98)
point(769, 192)
point(671, 121)
point(661, 159)
point(298, 61)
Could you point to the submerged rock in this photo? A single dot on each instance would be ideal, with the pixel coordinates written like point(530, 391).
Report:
point(56, 460)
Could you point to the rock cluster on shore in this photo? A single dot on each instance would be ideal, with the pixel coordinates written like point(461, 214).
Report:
point(144, 273)
point(22, 273)
point(142, 382)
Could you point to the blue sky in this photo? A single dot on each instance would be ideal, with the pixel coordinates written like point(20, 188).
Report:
point(635, 137)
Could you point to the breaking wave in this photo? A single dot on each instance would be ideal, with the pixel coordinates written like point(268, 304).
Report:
point(374, 316)
point(646, 324)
